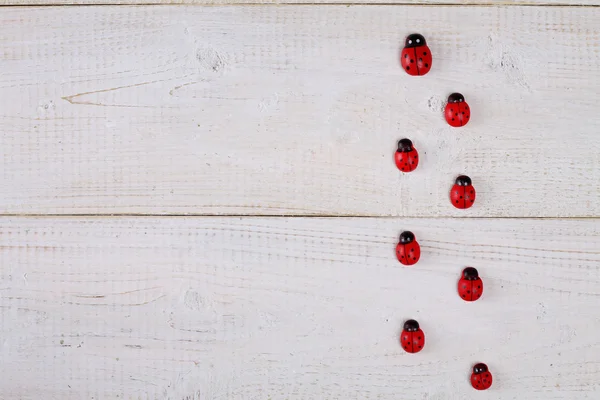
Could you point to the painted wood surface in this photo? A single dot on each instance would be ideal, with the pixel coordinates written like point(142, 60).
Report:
point(239, 308)
point(311, 2)
point(296, 110)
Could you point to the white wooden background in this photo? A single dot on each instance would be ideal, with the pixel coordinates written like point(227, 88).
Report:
point(238, 308)
point(165, 171)
point(311, 2)
point(296, 110)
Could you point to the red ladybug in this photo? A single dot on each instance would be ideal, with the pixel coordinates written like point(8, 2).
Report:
point(416, 56)
point(412, 338)
point(470, 285)
point(408, 250)
point(457, 111)
point(406, 156)
point(481, 378)
point(463, 193)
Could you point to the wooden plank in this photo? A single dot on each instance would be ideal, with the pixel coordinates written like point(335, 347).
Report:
point(238, 308)
point(296, 110)
point(275, 2)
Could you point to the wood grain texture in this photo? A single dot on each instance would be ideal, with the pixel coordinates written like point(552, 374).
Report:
point(296, 110)
point(239, 308)
point(310, 2)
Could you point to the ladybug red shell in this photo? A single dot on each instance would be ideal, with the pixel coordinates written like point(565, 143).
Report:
point(412, 337)
point(406, 156)
point(416, 56)
point(481, 378)
point(408, 250)
point(457, 111)
point(470, 285)
point(463, 193)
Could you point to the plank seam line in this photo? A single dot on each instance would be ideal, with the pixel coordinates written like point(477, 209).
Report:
point(482, 4)
point(328, 216)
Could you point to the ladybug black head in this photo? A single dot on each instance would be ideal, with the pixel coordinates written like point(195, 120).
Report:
point(405, 145)
point(463, 180)
point(480, 368)
point(470, 274)
point(411, 325)
point(415, 40)
point(407, 237)
point(456, 98)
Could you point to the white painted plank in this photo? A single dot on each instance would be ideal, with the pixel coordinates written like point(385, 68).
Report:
point(240, 308)
point(229, 2)
point(296, 110)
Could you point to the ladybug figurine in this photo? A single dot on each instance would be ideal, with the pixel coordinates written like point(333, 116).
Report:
point(457, 110)
point(412, 338)
point(416, 56)
point(406, 156)
point(463, 193)
point(470, 285)
point(481, 378)
point(408, 250)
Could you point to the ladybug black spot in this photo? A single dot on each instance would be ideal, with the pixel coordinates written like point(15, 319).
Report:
point(419, 337)
point(414, 258)
point(411, 250)
point(467, 116)
point(412, 61)
point(471, 200)
point(461, 197)
point(456, 114)
point(419, 346)
point(426, 65)
point(468, 291)
point(407, 68)
point(463, 296)
point(456, 201)
point(471, 192)
point(420, 60)
point(424, 53)
point(464, 286)
point(452, 119)
point(478, 287)
point(406, 56)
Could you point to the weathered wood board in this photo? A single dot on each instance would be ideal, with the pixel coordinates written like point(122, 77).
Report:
point(305, 2)
point(240, 308)
point(296, 110)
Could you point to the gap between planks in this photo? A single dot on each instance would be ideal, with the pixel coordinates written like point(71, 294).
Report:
point(350, 4)
point(255, 216)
